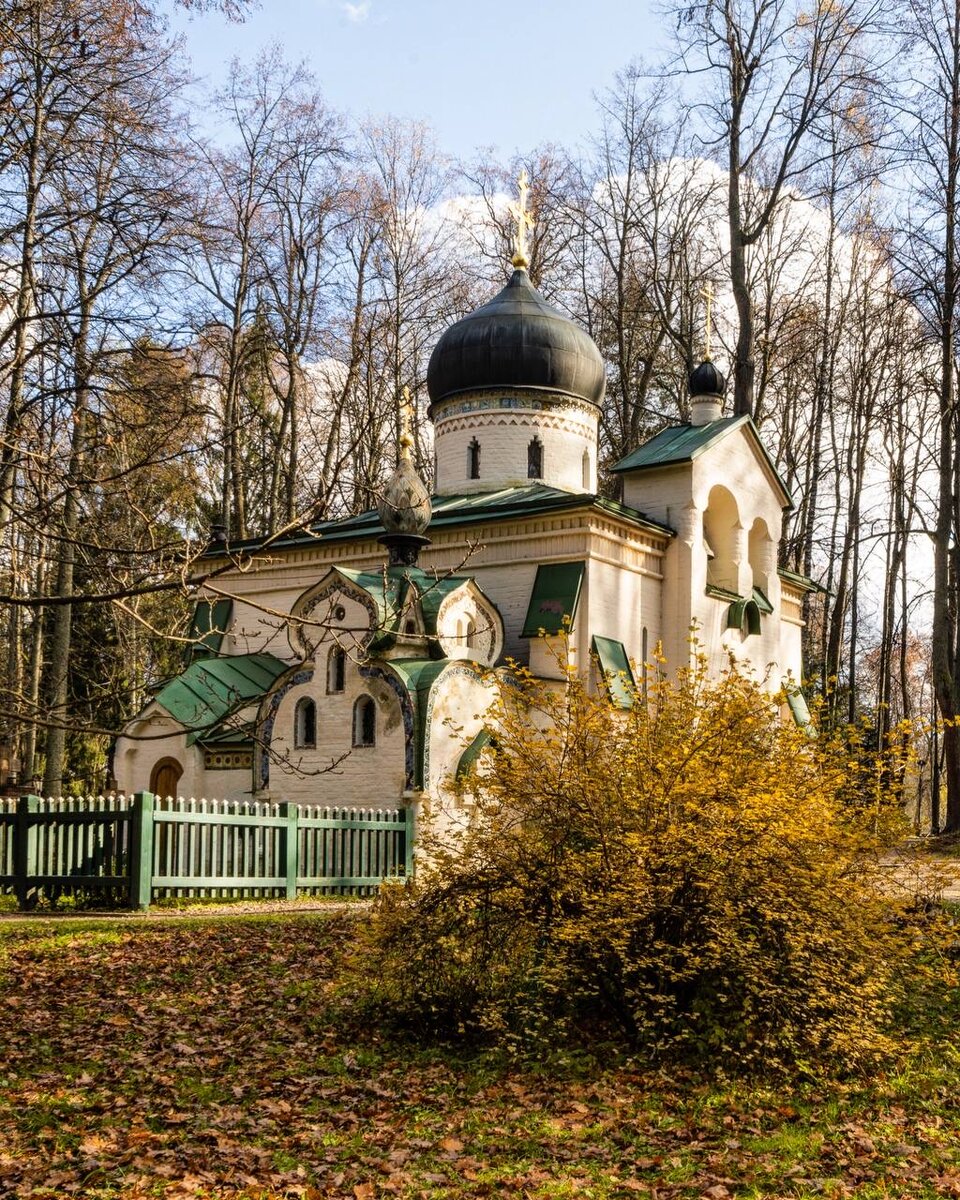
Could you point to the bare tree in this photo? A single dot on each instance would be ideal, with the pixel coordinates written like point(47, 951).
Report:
point(773, 80)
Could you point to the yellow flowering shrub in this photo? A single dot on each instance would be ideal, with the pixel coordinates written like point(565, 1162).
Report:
point(693, 878)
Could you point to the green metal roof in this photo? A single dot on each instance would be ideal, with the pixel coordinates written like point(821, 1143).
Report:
point(465, 508)
point(677, 444)
point(418, 677)
point(555, 595)
point(683, 443)
point(617, 673)
point(802, 581)
point(390, 590)
point(212, 688)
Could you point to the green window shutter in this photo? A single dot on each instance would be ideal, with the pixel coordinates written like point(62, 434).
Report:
point(555, 595)
point(800, 710)
point(618, 676)
point(211, 619)
point(483, 739)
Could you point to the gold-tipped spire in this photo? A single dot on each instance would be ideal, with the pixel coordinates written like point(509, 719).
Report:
point(524, 220)
point(406, 425)
point(707, 294)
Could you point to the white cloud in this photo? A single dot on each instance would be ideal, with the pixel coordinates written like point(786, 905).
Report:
point(357, 13)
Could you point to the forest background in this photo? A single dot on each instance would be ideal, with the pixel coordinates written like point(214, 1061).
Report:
point(201, 331)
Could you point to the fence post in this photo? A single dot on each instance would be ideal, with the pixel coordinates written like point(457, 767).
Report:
point(25, 850)
point(290, 845)
point(409, 818)
point(141, 850)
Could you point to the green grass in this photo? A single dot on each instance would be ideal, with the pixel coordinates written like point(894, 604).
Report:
point(197, 1056)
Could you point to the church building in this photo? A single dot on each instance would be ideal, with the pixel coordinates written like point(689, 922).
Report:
point(353, 663)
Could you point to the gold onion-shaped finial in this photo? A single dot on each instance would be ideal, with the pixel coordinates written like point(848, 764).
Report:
point(524, 220)
point(405, 509)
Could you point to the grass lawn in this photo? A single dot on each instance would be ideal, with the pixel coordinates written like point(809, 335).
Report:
point(192, 1057)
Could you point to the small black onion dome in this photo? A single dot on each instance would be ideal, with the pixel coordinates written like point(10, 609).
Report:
point(516, 340)
point(706, 380)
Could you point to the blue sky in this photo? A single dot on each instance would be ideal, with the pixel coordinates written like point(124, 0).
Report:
point(494, 73)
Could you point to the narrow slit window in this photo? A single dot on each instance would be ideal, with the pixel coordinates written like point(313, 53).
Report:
point(305, 725)
point(535, 459)
point(473, 460)
point(336, 670)
point(364, 722)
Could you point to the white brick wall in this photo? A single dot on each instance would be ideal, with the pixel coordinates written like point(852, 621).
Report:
point(568, 436)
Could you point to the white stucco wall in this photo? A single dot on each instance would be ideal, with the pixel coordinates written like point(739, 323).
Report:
point(335, 772)
point(567, 433)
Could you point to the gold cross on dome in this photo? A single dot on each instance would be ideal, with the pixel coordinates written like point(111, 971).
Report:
point(521, 258)
point(707, 294)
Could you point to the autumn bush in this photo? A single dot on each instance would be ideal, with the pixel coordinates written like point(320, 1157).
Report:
point(693, 878)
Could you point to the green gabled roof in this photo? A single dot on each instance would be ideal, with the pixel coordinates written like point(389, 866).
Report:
point(678, 444)
point(464, 508)
point(390, 590)
point(212, 688)
point(555, 595)
point(683, 443)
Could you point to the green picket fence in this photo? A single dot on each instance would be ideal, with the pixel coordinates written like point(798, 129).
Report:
point(142, 848)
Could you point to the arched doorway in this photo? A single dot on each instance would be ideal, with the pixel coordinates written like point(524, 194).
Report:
point(165, 777)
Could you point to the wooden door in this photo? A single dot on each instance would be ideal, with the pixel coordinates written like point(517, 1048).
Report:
point(165, 777)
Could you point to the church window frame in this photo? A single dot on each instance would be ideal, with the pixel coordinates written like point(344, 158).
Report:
point(364, 723)
point(305, 724)
point(473, 460)
point(535, 458)
point(336, 671)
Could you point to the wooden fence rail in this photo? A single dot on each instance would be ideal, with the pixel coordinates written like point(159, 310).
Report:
point(140, 848)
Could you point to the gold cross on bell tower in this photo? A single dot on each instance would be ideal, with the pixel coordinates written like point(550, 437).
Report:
point(521, 258)
point(707, 294)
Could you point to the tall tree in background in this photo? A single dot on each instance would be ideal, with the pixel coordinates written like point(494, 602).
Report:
point(773, 79)
point(930, 105)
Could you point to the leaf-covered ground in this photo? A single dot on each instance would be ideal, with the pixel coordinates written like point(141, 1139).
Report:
point(194, 1058)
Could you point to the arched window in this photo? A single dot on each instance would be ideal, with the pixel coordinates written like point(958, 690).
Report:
point(761, 553)
point(336, 669)
point(305, 725)
point(364, 722)
point(585, 469)
point(721, 532)
point(535, 459)
point(471, 636)
point(473, 460)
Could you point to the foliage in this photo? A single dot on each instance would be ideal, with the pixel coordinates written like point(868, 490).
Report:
point(695, 878)
point(196, 1058)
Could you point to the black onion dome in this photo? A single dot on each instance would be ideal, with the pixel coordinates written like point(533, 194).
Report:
point(706, 380)
point(516, 340)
